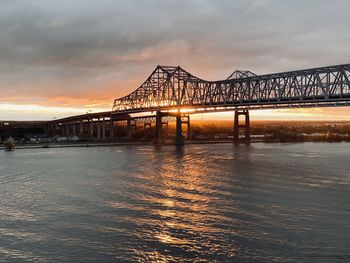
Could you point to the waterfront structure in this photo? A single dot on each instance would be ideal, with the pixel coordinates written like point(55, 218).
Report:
point(173, 93)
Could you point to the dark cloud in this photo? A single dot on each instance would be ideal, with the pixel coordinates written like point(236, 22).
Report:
point(99, 50)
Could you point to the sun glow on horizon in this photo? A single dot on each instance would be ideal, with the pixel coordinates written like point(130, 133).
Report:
point(38, 112)
point(309, 114)
point(34, 112)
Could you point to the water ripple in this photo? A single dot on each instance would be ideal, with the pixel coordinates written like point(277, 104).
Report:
point(202, 203)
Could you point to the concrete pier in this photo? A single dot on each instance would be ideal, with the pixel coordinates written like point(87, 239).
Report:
point(237, 127)
point(159, 132)
point(129, 128)
point(179, 135)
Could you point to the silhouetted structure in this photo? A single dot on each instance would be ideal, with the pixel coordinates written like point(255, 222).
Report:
point(171, 92)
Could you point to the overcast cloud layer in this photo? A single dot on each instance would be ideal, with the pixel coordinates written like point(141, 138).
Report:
point(86, 53)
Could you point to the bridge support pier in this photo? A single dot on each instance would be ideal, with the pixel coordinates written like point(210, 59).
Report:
point(67, 130)
point(188, 123)
point(74, 129)
point(134, 126)
point(159, 132)
point(98, 129)
point(91, 132)
point(60, 130)
point(111, 129)
point(179, 135)
point(237, 128)
point(129, 128)
point(103, 129)
point(81, 129)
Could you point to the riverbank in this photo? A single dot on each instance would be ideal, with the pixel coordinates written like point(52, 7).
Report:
point(71, 145)
point(140, 143)
point(104, 144)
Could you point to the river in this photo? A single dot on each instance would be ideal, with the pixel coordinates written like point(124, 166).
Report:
point(200, 203)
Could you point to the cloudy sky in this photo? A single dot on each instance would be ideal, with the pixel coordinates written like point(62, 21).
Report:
point(66, 57)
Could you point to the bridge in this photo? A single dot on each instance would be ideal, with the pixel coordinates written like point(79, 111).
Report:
point(173, 93)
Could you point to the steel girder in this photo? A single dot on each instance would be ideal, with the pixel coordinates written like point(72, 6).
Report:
point(172, 88)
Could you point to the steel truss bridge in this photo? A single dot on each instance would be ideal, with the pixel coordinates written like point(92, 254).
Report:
point(172, 87)
point(171, 91)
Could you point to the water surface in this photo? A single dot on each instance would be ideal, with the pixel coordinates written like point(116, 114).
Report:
point(202, 203)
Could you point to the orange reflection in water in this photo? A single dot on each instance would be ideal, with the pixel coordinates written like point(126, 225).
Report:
point(184, 205)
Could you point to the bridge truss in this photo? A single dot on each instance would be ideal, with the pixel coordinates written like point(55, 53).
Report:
point(170, 88)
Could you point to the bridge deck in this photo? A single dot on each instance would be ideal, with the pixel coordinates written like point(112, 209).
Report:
point(171, 88)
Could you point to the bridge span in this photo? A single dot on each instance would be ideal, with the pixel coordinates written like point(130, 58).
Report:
point(172, 92)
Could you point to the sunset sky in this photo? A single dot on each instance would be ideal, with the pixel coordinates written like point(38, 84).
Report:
point(61, 58)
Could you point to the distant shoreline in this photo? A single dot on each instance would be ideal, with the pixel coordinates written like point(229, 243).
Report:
point(106, 144)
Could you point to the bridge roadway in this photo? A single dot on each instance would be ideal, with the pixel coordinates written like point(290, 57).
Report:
point(174, 92)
